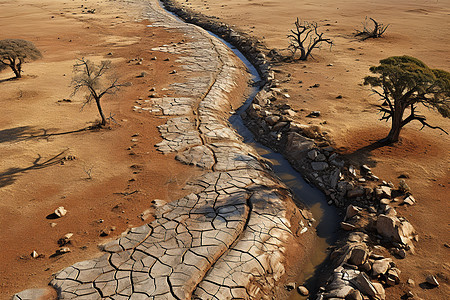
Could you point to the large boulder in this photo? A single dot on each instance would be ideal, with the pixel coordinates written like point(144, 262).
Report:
point(397, 231)
point(297, 146)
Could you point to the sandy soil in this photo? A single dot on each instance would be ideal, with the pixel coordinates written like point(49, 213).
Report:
point(418, 29)
point(37, 131)
point(32, 184)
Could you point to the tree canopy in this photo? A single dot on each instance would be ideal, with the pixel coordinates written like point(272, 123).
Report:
point(15, 52)
point(404, 82)
point(89, 76)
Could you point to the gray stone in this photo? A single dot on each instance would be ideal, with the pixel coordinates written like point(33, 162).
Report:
point(357, 192)
point(352, 211)
point(319, 166)
point(383, 192)
point(354, 295)
point(380, 267)
point(394, 229)
point(409, 200)
point(272, 120)
point(363, 284)
point(431, 279)
point(312, 154)
point(297, 145)
point(347, 226)
point(358, 256)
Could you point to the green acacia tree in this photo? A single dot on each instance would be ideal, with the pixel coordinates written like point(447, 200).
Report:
point(15, 52)
point(404, 82)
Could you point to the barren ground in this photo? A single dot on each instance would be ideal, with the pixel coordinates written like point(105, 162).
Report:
point(31, 186)
point(34, 177)
point(419, 29)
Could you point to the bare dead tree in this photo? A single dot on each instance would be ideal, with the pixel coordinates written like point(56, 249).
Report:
point(377, 31)
point(15, 52)
point(305, 37)
point(89, 76)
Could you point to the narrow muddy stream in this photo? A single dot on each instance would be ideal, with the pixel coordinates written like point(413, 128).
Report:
point(326, 216)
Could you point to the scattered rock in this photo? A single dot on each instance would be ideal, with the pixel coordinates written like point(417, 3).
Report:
point(363, 284)
point(290, 286)
point(357, 192)
point(314, 114)
point(365, 168)
point(107, 231)
point(65, 239)
point(142, 74)
point(319, 165)
point(394, 229)
point(303, 290)
point(383, 192)
point(411, 282)
point(358, 256)
point(272, 120)
point(354, 295)
point(352, 211)
point(401, 253)
point(380, 267)
point(312, 154)
point(394, 274)
point(63, 250)
point(431, 279)
point(347, 226)
point(34, 254)
point(60, 212)
point(409, 200)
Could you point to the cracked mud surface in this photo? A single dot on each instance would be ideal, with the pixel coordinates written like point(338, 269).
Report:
point(229, 236)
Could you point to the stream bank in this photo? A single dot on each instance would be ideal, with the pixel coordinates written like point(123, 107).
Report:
point(371, 232)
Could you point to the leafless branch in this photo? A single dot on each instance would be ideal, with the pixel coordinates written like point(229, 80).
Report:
point(303, 33)
point(378, 30)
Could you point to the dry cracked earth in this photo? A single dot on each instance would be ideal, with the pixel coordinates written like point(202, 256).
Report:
point(229, 236)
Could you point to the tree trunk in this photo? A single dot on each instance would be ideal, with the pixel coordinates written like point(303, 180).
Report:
point(303, 53)
point(396, 126)
point(16, 71)
point(100, 111)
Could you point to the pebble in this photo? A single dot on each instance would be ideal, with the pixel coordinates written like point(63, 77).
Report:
point(431, 279)
point(411, 282)
point(60, 211)
point(63, 250)
point(290, 286)
point(303, 290)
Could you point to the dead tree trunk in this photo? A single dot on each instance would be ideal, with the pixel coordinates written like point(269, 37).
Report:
point(100, 111)
point(305, 33)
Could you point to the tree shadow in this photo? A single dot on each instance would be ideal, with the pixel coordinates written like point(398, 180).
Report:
point(9, 176)
point(363, 155)
point(24, 133)
point(8, 79)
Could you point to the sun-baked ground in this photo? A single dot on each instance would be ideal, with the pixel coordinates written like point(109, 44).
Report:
point(32, 184)
point(115, 174)
point(348, 109)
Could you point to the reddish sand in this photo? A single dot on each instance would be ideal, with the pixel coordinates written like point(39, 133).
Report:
point(31, 190)
point(418, 29)
point(32, 184)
